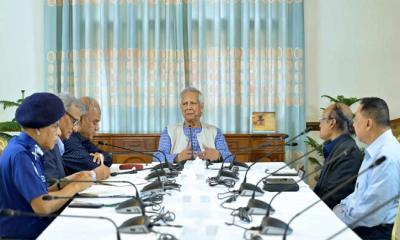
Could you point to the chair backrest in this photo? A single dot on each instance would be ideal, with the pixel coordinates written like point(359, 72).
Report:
point(395, 125)
point(396, 226)
point(4, 138)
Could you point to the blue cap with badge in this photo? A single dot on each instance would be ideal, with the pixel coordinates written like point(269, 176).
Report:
point(39, 110)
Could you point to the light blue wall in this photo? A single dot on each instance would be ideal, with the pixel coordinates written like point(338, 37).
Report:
point(21, 49)
point(352, 49)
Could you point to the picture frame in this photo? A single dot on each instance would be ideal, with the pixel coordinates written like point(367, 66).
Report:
point(263, 122)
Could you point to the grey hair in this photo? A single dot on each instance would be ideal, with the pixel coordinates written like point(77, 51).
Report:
point(200, 97)
point(69, 100)
point(88, 103)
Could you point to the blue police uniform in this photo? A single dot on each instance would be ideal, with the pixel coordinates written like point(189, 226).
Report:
point(22, 179)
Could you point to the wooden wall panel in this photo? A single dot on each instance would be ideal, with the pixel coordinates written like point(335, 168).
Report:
point(245, 146)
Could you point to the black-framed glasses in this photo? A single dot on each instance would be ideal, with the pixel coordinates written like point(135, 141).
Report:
point(75, 122)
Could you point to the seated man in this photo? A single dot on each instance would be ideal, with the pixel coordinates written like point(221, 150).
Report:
point(184, 141)
point(80, 153)
point(335, 128)
point(54, 164)
point(22, 180)
point(379, 184)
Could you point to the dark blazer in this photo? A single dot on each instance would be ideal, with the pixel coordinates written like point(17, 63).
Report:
point(77, 154)
point(53, 164)
point(339, 171)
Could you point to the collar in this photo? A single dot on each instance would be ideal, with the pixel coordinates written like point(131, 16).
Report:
point(79, 136)
point(373, 149)
point(31, 144)
point(329, 145)
point(186, 127)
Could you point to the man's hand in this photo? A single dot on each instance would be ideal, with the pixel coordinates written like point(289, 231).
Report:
point(102, 172)
point(82, 176)
point(97, 158)
point(209, 153)
point(186, 154)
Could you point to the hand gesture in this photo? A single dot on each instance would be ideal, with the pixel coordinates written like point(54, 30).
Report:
point(97, 158)
point(209, 153)
point(185, 154)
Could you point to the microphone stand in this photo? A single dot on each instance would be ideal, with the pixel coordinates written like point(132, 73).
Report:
point(223, 174)
point(164, 165)
point(133, 205)
point(274, 226)
point(16, 213)
point(139, 224)
point(191, 140)
point(373, 165)
point(288, 143)
point(298, 135)
point(246, 189)
point(258, 207)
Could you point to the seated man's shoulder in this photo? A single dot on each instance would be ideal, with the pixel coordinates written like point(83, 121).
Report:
point(75, 138)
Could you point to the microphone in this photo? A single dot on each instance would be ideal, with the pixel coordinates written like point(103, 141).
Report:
point(275, 226)
point(224, 174)
point(290, 141)
point(293, 144)
point(113, 174)
point(140, 152)
point(16, 213)
point(333, 191)
point(191, 138)
point(258, 207)
point(247, 189)
point(133, 205)
point(160, 173)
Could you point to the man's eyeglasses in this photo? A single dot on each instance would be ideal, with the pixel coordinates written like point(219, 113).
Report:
point(75, 121)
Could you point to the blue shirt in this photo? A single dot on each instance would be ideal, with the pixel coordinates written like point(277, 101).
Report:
point(330, 145)
point(53, 163)
point(77, 154)
point(375, 186)
point(165, 143)
point(21, 180)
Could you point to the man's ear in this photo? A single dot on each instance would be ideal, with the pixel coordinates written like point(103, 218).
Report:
point(332, 123)
point(369, 124)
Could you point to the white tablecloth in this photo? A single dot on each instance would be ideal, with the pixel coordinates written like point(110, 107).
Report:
point(197, 208)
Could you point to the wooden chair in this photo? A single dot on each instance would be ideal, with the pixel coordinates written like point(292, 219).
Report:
point(3, 142)
point(395, 125)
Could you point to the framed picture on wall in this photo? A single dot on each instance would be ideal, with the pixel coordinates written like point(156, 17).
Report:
point(263, 122)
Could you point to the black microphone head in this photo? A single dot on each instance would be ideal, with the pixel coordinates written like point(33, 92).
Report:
point(292, 144)
point(307, 130)
point(101, 143)
point(379, 161)
point(113, 174)
point(47, 197)
point(7, 212)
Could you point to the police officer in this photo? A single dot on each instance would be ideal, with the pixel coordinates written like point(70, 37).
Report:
point(22, 180)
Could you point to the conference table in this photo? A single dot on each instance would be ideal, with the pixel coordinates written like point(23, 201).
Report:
point(197, 209)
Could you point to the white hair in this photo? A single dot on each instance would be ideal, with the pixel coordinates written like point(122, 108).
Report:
point(200, 97)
